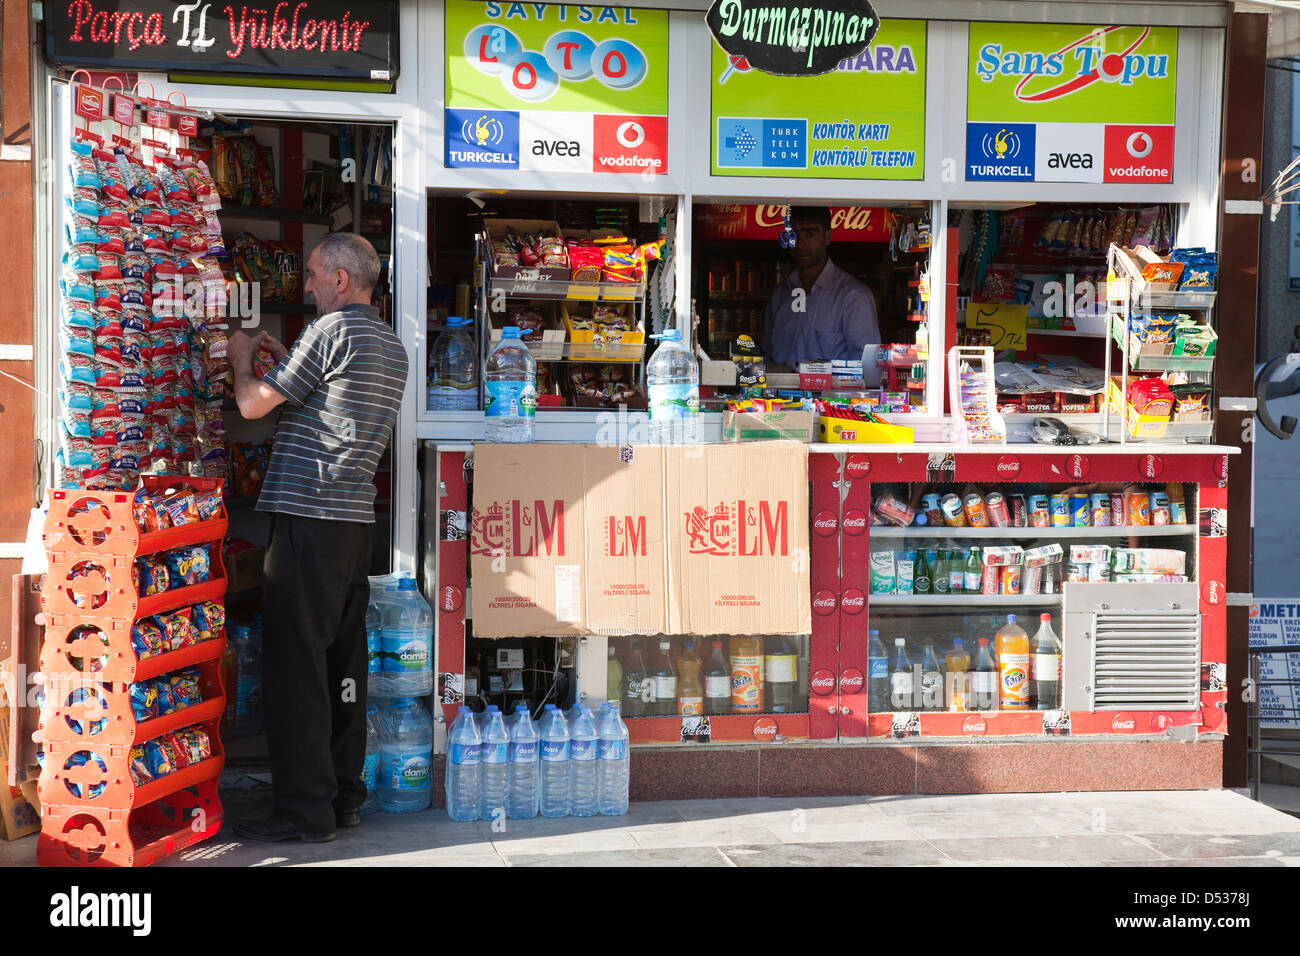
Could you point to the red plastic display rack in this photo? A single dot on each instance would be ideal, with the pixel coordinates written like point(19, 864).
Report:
point(100, 587)
point(108, 525)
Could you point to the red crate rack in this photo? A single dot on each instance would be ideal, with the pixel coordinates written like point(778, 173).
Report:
point(93, 813)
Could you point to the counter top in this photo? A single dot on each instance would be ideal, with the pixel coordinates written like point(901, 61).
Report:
point(1111, 448)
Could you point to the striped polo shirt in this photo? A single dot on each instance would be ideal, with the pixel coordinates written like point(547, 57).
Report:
point(343, 380)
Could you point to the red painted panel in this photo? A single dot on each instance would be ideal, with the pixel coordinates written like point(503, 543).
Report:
point(1003, 464)
point(1212, 571)
point(733, 728)
point(453, 558)
point(854, 617)
point(887, 466)
point(824, 575)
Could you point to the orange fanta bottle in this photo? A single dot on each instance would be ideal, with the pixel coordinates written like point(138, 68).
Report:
point(1011, 645)
point(747, 675)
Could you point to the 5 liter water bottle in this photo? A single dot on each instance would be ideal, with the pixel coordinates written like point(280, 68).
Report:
point(612, 764)
point(370, 769)
point(673, 384)
point(407, 641)
point(453, 369)
point(405, 754)
point(375, 676)
point(582, 763)
point(510, 384)
point(464, 768)
point(496, 765)
point(248, 683)
point(523, 793)
point(555, 765)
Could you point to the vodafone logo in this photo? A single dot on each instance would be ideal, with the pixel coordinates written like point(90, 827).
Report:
point(1140, 144)
point(855, 522)
point(1138, 154)
point(853, 601)
point(1123, 723)
point(451, 599)
point(822, 683)
point(857, 467)
point(1008, 466)
point(629, 144)
point(974, 725)
point(852, 681)
point(825, 523)
point(823, 602)
point(631, 135)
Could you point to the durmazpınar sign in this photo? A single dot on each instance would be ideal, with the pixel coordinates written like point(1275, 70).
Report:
point(793, 37)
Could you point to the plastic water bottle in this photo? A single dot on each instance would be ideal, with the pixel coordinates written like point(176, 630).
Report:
point(370, 769)
point(524, 789)
point(582, 766)
point(405, 756)
point(555, 766)
point(375, 686)
point(612, 764)
point(673, 384)
point(510, 384)
point(496, 765)
point(248, 681)
point(407, 642)
point(464, 768)
point(453, 369)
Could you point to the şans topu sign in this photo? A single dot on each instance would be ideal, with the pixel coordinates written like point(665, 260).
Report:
point(792, 37)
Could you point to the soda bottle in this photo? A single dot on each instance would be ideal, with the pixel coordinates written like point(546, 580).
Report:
point(1045, 667)
point(524, 791)
point(717, 683)
point(495, 759)
point(974, 572)
point(983, 684)
point(940, 583)
point(746, 675)
point(614, 675)
point(612, 764)
point(878, 675)
point(665, 683)
point(1011, 644)
point(781, 676)
point(958, 690)
point(510, 384)
point(900, 679)
point(921, 576)
point(634, 683)
point(690, 689)
point(956, 574)
point(931, 680)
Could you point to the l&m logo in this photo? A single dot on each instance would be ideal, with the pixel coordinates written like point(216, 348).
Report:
point(1000, 152)
point(762, 143)
point(482, 139)
point(1139, 154)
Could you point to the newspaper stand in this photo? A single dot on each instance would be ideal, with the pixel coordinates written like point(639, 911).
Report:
point(94, 814)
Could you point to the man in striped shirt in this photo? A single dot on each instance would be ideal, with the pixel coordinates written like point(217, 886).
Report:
point(340, 386)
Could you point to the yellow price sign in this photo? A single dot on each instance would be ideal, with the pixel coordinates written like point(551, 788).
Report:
point(1007, 323)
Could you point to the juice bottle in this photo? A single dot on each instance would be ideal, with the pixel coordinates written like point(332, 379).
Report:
point(1011, 645)
point(958, 661)
point(690, 689)
point(746, 675)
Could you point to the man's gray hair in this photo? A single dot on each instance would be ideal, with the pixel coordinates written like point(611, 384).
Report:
point(354, 255)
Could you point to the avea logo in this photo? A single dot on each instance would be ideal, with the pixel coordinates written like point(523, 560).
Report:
point(1068, 161)
point(1077, 65)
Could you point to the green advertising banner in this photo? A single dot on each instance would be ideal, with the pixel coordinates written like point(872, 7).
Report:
point(863, 120)
point(556, 87)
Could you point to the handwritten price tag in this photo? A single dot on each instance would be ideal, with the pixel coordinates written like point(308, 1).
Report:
point(1006, 323)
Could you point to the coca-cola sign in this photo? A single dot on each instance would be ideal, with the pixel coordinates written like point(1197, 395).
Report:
point(1161, 722)
point(1078, 466)
point(825, 523)
point(734, 221)
point(975, 725)
point(822, 683)
point(1008, 467)
point(853, 601)
point(1221, 466)
point(855, 522)
point(857, 467)
point(1123, 724)
point(851, 681)
point(1213, 591)
point(451, 598)
point(765, 730)
point(1150, 466)
point(823, 603)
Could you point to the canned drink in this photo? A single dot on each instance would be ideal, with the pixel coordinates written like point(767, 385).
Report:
point(996, 504)
point(1177, 512)
point(1033, 580)
point(1099, 572)
point(1060, 511)
point(1101, 511)
point(989, 580)
point(953, 513)
point(933, 513)
point(1160, 513)
point(1117, 519)
point(1139, 508)
point(1040, 511)
point(1019, 512)
point(975, 513)
point(1080, 511)
point(1076, 572)
point(1011, 579)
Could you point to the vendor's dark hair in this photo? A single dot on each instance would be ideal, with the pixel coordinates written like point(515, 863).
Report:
point(815, 215)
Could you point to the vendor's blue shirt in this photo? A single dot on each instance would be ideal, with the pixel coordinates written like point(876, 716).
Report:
point(839, 318)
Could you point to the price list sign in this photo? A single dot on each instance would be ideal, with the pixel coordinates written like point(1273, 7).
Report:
point(1276, 623)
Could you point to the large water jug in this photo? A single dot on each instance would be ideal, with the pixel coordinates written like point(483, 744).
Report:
point(673, 385)
point(510, 387)
point(405, 755)
point(248, 680)
point(407, 642)
point(370, 769)
point(453, 369)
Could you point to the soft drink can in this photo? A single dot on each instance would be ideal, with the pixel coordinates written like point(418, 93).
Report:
point(996, 504)
point(1011, 579)
point(953, 513)
point(933, 514)
point(1040, 511)
point(1076, 572)
point(1099, 572)
point(1160, 508)
point(989, 580)
point(1139, 508)
point(1033, 580)
point(1019, 512)
point(1177, 512)
point(1080, 511)
point(975, 512)
point(1101, 511)
point(1060, 511)
point(1117, 519)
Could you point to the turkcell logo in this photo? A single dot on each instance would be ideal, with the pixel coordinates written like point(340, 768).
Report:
point(1002, 152)
point(762, 143)
point(482, 139)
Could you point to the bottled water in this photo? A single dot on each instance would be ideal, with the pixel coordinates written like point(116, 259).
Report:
point(248, 680)
point(370, 769)
point(673, 384)
point(523, 793)
point(510, 386)
point(555, 765)
point(405, 752)
point(612, 763)
point(496, 764)
point(464, 767)
point(375, 676)
point(582, 764)
point(407, 642)
point(453, 369)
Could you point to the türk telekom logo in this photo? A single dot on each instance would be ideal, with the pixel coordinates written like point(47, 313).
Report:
point(630, 144)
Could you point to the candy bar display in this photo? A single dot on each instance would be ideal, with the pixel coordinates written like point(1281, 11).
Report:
point(529, 249)
point(604, 385)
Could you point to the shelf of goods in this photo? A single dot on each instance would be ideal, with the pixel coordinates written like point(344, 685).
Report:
point(98, 807)
point(1120, 531)
point(558, 289)
point(964, 600)
point(1159, 363)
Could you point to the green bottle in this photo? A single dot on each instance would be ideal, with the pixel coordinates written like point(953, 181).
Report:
point(974, 572)
point(921, 577)
point(939, 576)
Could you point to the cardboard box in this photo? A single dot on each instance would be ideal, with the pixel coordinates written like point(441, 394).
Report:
point(584, 539)
point(496, 229)
point(766, 426)
point(20, 810)
point(597, 336)
point(845, 431)
point(244, 569)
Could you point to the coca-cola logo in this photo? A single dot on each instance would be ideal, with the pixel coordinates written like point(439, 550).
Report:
point(857, 467)
point(1221, 466)
point(1213, 592)
point(1150, 466)
point(1008, 466)
point(765, 730)
point(853, 601)
point(823, 602)
point(822, 683)
point(1077, 466)
point(1161, 722)
point(825, 523)
point(852, 681)
point(974, 725)
point(452, 598)
point(855, 522)
point(1123, 723)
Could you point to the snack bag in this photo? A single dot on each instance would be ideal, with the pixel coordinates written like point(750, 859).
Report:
point(151, 576)
point(158, 757)
point(180, 752)
point(209, 618)
point(166, 703)
point(178, 630)
point(182, 508)
point(144, 699)
point(140, 772)
point(185, 689)
point(147, 639)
